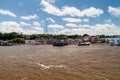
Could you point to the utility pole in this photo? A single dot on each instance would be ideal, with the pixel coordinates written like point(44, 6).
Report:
point(46, 27)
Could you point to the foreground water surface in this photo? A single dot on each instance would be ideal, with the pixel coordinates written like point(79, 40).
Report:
point(72, 62)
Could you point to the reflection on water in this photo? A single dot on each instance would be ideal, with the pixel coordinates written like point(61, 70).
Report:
point(45, 62)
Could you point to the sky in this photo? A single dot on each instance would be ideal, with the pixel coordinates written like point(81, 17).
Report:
point(93, 17)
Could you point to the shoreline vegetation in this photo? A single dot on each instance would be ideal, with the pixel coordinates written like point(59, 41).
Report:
point(14, 37)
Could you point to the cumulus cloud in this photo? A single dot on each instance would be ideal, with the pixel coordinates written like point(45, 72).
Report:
point(32, 31)
point(71, 25)
point(75, 20)
point(85, 26)
point(97, 29)
point(49, 8)
point(107, 28)
point(114, 11)
point(71, 11)
point(71, 20)
point(24, 24)
point(86, 20)
point(55, 26)
point(36, 24)
point(29, 17)
point(51, 1)
point(12, 26)
point(7, 12)
point(37, 27)
point(92, 12)
point(51, 19)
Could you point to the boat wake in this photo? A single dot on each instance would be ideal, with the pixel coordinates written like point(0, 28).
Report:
point(50, 66)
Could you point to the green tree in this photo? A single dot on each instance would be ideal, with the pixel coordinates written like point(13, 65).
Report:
point(1, 36)
point(85, 35)
point(9, 36)
point(17, 40)
point(32, 37)
point(102, 36)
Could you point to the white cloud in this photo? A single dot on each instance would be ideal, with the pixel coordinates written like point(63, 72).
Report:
point(92, 12)
point(78, 26)
point(75, 20)
point(64, 31)
point(24, 24)
point(10, 26)
point(108, 29)
point(38, 28)
point(49, 8)
point(36, 24)
point(51, 1)
point(71, 25)
point(71, 20)
point(32, 31)
point(7, 12)
point(86, 20)
point(71, 11)
point(51, 19)
point(114, 11)
point(29, 17)
point(56, 26)
point(97, 29)
point(85, 26)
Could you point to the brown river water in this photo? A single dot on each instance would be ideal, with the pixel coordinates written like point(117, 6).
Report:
point(72, 62)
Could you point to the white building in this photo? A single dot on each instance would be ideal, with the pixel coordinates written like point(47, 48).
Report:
point(30, 41)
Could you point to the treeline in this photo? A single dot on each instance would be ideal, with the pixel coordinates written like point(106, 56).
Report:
point(48, 36)
point(12, 37)
point(9, 36)
point(19, 38)
point(62, 36)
